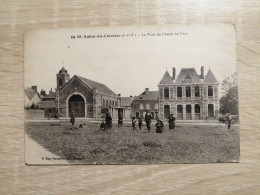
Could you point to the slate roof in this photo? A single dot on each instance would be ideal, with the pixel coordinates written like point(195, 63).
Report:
point(151, 95)
point(30, 93)
point(167, 79)
point(210, 78)
point(126, 101)
point(188, 74)
point(47, 104)
point(99, 86)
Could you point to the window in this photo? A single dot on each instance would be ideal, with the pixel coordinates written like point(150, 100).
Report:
point(141, 106)
point(179, 91)
point(156, 106)
point(179, 109)
point(137, 115)
point(60, 82)
point(188, 109)
point(148, 106)
point(116, 103)
point(197, 91)
point(197, 108)
point(104, 102)
point(188, 91)
point(110, 103)
point(113, 103)
point(166, 93)
point(210, 91)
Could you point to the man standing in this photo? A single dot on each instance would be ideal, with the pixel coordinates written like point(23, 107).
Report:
point(148, 119)
point(171, 121)
point(120, 120)
point(108, 120)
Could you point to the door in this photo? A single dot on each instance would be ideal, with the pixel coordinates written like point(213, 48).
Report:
point(76, 104)
point(166, 111)
point(210, 110)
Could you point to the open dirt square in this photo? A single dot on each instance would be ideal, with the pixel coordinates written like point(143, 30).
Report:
point(191, 143)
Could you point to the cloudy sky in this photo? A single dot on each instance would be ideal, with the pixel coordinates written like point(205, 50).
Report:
point(128, 64)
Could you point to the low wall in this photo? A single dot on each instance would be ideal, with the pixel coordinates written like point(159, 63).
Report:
point(34, 114)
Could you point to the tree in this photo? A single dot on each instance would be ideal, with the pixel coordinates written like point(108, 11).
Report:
point(228, 83)
point(229, 101)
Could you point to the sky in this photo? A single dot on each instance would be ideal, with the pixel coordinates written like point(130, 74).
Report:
point(128, 64)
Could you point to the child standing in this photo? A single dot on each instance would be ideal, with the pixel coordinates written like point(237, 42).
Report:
point(102, 126)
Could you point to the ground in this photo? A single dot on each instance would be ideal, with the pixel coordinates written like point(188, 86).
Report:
point(191, 143)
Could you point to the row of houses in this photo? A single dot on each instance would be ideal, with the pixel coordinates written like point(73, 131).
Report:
point(188, 96)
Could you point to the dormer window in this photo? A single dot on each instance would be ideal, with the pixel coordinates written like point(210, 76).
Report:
point(210, 91)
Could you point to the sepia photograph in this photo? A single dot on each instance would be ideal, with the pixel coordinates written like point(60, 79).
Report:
point(157, 94)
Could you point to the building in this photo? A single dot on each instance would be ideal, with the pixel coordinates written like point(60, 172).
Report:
point(189, 96)
point(127, 105)
point(87, 98)
point(148, 100)
point(32, 97)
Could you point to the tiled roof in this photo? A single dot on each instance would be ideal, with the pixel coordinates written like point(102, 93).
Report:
point(188, 75)
point(126, 101)
point(47, 104)
point(210, 78)
point(51, 95)
point(30, 93)
point(167, 79)
point(99, 86)
point(151, 95)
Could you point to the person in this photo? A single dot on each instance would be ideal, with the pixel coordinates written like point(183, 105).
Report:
point(72, 117)
point(148, 119)
point(120, 120)
point(140, 122)
point(108, 120)
point(171, 121)
point(228, 120)
point(133, 123)
point(102, 126)
point(159, 125)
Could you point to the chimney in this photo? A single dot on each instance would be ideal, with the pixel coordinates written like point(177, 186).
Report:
point(119, 95)
point(173, 73)
point(131, 97)
point(34, 88)
point(202, 72)
point(146, 90)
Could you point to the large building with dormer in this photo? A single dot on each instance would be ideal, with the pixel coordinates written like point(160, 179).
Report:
point(87, 98)
point(190, 96)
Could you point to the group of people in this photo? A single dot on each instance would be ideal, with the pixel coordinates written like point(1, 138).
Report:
point(159, 124)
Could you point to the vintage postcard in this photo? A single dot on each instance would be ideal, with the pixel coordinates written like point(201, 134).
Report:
point(131, 95)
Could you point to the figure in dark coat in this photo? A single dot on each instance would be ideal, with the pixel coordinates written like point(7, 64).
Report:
point(140, 122)
point(108, 121)
point(72, 118)
point(171, 121)
point(159, 126)
point(120, 120)
point(148, 119)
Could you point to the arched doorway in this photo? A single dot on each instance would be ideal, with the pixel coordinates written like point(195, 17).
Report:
point(77, 104)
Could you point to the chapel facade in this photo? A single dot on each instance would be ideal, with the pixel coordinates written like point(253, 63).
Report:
point(87, 98)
